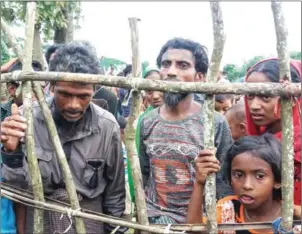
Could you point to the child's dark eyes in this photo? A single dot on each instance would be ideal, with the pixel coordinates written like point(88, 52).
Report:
point(237, 174)
point(260, 176)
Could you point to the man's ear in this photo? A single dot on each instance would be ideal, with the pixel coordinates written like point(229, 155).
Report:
point(277, 185)
point(243, 128)
point(52, 87)
point(200, 77)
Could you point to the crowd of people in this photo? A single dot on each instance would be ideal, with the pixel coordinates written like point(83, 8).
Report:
point(91, 120)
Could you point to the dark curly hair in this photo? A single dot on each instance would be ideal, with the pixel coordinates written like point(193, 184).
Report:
point(50, 50)
point(199, 52)
point(75, 58)
point(265, 147)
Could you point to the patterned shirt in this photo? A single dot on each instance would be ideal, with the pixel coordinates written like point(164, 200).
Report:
point(6, 109)
point(167, 150)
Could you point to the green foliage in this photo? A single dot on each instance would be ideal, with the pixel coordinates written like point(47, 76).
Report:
point(51, 14)
point(295, 55)
point(5, 56)
point(235, 72)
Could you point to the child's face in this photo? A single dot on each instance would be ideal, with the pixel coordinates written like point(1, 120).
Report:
point(223, 106)
point(252, 181)
point(238, 128)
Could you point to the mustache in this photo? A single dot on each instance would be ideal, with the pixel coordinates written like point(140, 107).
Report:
point(171, 79)
point(73, 111)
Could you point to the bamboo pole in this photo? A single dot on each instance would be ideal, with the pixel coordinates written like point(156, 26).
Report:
point(70, 187)
point(68, 179)
point(267, 89)
point(209, 129)
point(57, 206)
point(132, 154)
point(72, 212)
point(33, 166)
point(286, 118)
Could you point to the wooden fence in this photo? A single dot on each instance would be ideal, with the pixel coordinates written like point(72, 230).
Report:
point(29, 84)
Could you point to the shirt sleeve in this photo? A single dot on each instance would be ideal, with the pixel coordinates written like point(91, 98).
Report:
point(143, 156)
point(115, 194)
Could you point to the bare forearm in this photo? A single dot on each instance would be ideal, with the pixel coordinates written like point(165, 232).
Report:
point(196, 205)
point(297, 212)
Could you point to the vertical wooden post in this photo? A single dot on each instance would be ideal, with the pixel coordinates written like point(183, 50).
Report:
point(209, 130)
point(33, 166)
point(286, 118)
point(130, 131)
point(68, 179)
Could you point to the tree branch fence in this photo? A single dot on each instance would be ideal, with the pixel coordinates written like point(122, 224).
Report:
point(36, 198)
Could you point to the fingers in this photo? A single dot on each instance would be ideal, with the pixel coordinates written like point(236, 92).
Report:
point(12, 132)
point(17, 118)
point(3, 138)
point(211, 166)
point(205, 159)
point(15, 109)
point(207, 152)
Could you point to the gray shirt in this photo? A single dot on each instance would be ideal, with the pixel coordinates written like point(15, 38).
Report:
point(94, 154)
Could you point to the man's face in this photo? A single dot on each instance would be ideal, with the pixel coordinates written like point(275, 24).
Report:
point(11, 88)
point(72, 99)
point(178, 65)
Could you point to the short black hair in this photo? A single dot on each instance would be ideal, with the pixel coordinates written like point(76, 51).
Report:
point(75, 58)
point(50, 50)
point(238, 111)
point(266, 147)
point(199, 52)
point(223, 97)
point(270, 68)
point(122, 122)
point(18, 66)
point(126, 71)
point(150, 72)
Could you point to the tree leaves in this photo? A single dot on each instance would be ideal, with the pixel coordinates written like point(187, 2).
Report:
point(51, 14)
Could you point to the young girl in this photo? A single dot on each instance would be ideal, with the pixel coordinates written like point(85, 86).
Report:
point(253, 168)
point(263, 113)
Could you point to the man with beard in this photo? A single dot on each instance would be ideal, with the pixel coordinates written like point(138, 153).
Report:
point(172, 136)
point(90, 138)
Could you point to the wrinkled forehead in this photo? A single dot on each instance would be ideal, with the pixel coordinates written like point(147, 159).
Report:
point(74, 87)
point(178, 55)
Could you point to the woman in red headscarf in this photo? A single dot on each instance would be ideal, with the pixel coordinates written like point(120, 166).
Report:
point(263, 112)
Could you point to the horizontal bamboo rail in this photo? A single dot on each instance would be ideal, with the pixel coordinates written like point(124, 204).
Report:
point(50, 204)
point(267, 89)
point(276, 89)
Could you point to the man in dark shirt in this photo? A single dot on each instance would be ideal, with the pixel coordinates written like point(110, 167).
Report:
point(108, 99)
